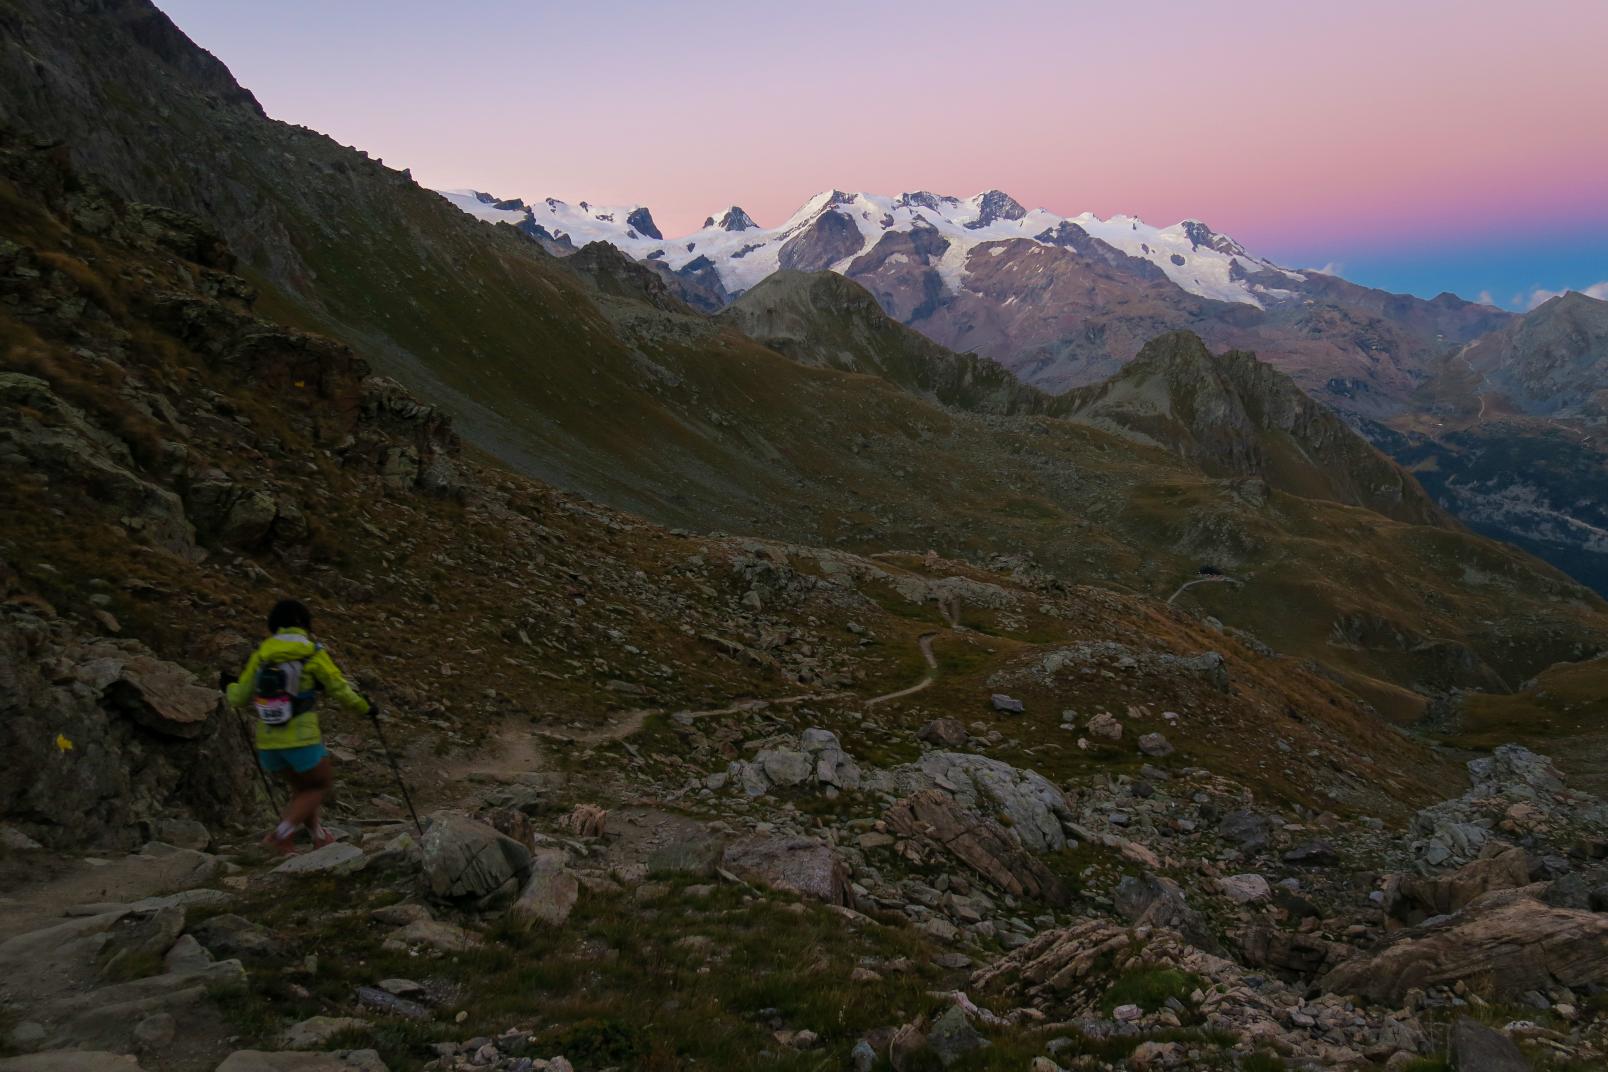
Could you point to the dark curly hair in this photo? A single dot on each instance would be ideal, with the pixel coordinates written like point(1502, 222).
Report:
point(289, 614)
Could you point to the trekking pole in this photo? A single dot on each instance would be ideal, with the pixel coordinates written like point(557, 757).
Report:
point(374, 716)
point(251, 748)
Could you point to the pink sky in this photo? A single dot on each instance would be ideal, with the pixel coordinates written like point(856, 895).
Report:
point(1290, 127)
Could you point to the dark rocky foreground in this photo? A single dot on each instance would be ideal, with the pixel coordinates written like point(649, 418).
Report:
point(1165, 918)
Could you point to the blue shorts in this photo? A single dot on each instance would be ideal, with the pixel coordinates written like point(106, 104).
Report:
point(301, 760)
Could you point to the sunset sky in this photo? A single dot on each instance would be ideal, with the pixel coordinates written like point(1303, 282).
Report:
point(1418, 146)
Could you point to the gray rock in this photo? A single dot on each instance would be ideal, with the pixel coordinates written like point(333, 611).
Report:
point(1154, 744)
point(944, 732)
point(793, 864)
point(1476, 1048)
point(1007, 705)
point(230, 935)
point(815, 739)
point(187, 956)
point(862, 1058)
point(436, 934)
point(1157, 901)
point(155, 1032)
point(339, 858)
point(952, 1036)
point(547, 899)
point(373, 997)
point(1245, 829)
point(785, 767)
point(462, 858)
point(185, 833)
point(1034, 805)
point(1245, 889)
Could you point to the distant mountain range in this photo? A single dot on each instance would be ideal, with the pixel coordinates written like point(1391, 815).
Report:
point(1060, 301)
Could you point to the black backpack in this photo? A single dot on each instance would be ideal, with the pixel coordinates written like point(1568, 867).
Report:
point(279, 696)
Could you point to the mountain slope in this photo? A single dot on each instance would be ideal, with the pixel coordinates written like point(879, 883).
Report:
point(1551, 362)
point(1234, 415)
point(824, 319)
point(1511, 434)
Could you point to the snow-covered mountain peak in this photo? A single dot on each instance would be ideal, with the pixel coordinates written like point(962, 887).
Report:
point(835, 228)
point(734, 219)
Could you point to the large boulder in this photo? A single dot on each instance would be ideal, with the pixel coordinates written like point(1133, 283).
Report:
point(462, 858)
point(798, 865)
point(1032, 805)
point(548, 897)
point(1509, 938)
point(979, 842)
point(951, 1036)
point(1476, 1048)
point(1247, 830)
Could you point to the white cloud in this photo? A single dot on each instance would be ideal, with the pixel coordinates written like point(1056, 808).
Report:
point(1485, 298)
point(1332, 268)
point(1541, 294)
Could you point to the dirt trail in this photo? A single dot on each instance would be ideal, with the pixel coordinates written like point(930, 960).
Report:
point(924, 642)
point(1199, 580)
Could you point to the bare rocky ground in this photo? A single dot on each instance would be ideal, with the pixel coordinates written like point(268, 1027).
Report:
point(1167, 918)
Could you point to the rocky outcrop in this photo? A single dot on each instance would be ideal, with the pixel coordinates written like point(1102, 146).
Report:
point(980, 843)
point(1510, 939)
point(1066, 974)
point(55, 439)
point(1033, 806)
point(799, 865)
point(97, 735)
point(1415, 897)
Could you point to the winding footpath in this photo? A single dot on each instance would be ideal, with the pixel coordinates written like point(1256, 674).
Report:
point(924, 642)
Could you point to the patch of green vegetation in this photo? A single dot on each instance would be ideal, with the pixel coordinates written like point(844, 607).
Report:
point(1149, 988)
point(599, 1041)
point(696, 978)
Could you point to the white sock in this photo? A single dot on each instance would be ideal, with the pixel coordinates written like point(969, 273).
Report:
point(283, 831)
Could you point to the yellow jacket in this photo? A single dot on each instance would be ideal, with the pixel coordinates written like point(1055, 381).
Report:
point(318, 672)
